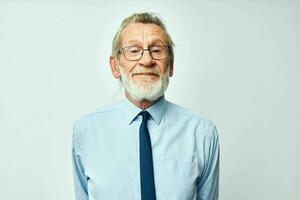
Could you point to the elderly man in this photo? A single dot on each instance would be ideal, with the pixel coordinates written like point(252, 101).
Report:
point(144, 147)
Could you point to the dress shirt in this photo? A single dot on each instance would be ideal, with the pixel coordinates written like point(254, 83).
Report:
point(105, 153)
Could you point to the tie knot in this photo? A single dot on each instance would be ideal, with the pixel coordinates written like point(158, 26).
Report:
point(145, 115)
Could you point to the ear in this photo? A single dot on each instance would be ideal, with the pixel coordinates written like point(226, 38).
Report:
point(114, 67)
point(171, 70)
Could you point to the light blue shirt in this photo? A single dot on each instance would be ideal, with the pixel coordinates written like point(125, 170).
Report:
point(185, 152)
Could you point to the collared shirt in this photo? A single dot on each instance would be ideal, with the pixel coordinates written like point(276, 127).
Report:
point(185, 151)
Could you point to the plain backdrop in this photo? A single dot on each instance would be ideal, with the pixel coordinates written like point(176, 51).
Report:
point(237, 62)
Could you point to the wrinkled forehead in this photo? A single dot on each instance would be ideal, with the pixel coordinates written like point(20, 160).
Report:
point(141, 34)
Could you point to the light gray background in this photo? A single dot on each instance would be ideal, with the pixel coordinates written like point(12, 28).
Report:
point(236, 62)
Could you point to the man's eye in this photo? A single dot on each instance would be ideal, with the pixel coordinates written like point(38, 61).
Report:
point(156, 50)
point(134, 50)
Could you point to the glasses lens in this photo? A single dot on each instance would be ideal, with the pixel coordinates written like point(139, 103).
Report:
point(159, 52)
point(133, 53)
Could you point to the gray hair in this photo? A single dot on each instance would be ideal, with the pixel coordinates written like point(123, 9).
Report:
point(144, 18)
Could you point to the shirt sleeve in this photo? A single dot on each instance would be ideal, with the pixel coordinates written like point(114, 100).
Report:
point(208, 184)
point(80, 181)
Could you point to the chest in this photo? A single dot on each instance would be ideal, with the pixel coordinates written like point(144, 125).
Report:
point(112, 164)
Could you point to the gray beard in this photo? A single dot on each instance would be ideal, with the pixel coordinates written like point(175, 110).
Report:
point(144, 90)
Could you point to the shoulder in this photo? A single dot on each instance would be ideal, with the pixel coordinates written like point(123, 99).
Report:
point(187, 113)
point(190, 118)
point(101, 114)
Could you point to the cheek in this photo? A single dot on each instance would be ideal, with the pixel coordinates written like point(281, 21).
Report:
point(127, 66)
point(163, 67)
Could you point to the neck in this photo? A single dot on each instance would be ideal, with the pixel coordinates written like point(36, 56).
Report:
point(143, 104)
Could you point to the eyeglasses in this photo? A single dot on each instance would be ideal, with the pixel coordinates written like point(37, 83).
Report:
point(135, 53)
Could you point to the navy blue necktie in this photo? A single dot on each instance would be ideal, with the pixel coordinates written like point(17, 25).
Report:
point(146, 161)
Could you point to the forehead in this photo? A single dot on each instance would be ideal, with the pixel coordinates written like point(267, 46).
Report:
point(142, 33)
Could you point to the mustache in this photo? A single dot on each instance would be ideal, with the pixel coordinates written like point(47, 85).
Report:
point(139, 71)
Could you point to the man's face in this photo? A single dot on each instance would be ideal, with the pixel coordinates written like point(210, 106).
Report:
point(146, 78)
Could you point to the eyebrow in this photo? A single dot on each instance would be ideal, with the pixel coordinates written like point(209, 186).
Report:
point(157, 41)
point(134, 42)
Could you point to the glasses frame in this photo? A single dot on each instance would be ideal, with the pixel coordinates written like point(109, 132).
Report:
point(142, 53)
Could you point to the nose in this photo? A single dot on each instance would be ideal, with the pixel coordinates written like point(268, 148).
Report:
point(146, 59)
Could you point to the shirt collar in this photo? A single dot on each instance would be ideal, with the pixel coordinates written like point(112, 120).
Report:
point(157, 110)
